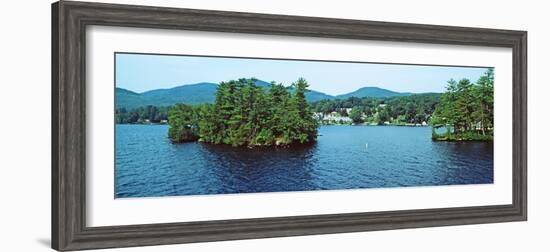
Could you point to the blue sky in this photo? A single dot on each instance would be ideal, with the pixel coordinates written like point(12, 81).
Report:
point(140, 72)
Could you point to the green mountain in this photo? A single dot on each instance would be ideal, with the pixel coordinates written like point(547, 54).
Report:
point(311, 95)
point(204, 92)
point(129, 98)
point(372, 92)
point(190, 94)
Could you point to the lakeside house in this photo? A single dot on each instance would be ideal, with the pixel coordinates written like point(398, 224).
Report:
point(337, 118)
point(332, 118)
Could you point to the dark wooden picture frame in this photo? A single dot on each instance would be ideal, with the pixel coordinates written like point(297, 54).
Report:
point(69, 22)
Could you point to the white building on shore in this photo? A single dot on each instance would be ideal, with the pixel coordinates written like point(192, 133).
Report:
point(332, 117)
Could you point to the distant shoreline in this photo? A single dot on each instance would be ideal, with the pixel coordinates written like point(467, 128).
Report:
point(370, 125)
point(141, 123)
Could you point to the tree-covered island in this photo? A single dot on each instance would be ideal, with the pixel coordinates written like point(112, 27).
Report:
point(466, 110)
point(245, 114)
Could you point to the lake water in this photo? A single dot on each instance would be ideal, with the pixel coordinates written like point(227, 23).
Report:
point(147, 164)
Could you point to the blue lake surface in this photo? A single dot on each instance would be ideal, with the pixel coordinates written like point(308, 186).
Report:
point(148, 165)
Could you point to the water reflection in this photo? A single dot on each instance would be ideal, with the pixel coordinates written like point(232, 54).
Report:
point(260, 169)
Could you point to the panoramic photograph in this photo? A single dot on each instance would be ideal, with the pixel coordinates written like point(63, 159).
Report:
point(203, 125)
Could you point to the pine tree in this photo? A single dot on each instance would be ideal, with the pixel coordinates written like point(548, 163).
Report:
point(484, 95)
point(467, 107)
point(183, 121)
point(356, 115)
point(245, 114)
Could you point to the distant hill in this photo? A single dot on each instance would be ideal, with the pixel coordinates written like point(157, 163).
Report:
point(190, 94)
point(372, 92)
point(198, 93)
point(204, 92)
point(127, 97)
point(311, 95)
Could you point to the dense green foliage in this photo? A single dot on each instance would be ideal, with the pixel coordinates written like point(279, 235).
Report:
point(356, 115)
point(147, 114)
point(183, 122)
point(398, 110)
point(245, 114)
point(466, 109)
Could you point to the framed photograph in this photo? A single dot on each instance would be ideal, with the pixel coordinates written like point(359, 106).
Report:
point(178, 125)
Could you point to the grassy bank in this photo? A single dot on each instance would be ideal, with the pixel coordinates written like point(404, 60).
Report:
point(463, 136)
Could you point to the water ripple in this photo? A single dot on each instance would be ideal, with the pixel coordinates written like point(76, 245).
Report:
point(147, 164)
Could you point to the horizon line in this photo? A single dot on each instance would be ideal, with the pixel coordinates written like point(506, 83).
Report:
point(205, 82)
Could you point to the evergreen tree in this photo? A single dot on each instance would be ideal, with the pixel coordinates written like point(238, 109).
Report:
point(484, 96)
point(468, 108)
point(210, 127)
point(356, 115)
point(247, 115)
point(183, 121)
